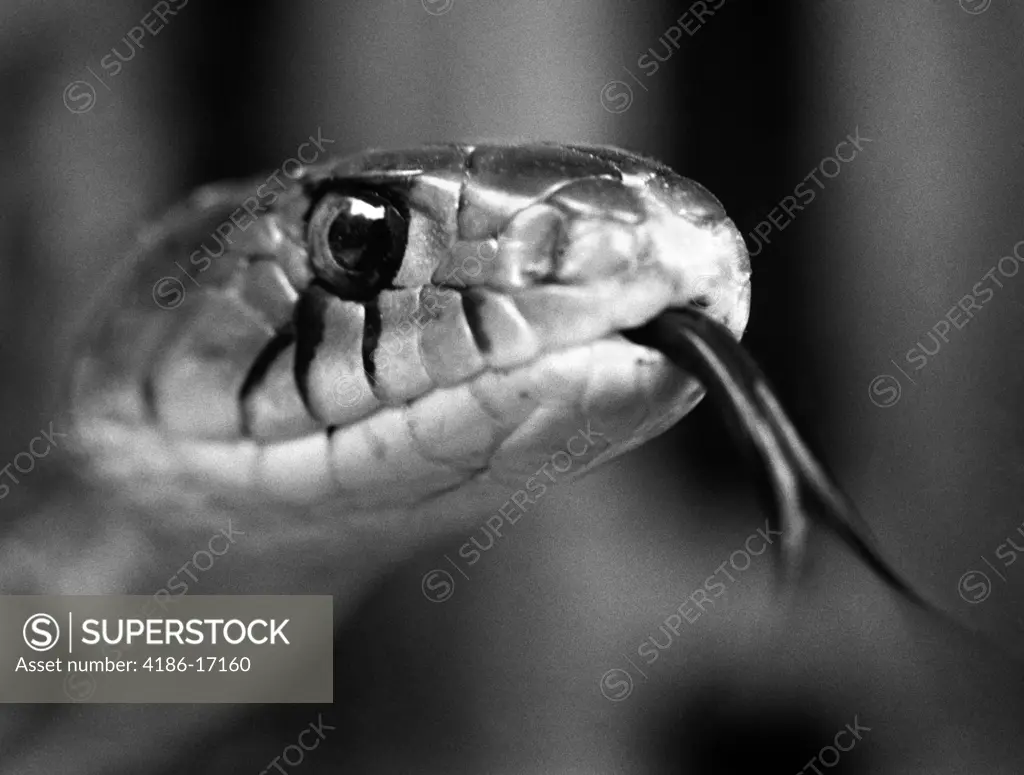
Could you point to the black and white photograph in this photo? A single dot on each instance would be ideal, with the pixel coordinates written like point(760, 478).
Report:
point(459, 387)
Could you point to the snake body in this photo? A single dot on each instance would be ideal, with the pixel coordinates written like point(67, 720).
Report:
point(401, 330)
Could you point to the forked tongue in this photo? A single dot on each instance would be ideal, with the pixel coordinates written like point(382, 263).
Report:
point(801, 488)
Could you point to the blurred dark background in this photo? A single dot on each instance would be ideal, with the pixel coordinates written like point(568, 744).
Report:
point(748, 98)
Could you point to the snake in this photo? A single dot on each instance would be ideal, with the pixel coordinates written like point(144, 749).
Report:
point(396, 341)
point(403, 338)
point(391, 345)
point(400, 334)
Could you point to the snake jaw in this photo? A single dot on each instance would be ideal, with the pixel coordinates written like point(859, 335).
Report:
point(499, 331)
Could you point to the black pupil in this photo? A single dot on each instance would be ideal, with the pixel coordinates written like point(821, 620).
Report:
point(359, 234)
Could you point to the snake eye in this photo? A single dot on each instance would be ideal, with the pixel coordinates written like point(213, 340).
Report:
point(357, 241)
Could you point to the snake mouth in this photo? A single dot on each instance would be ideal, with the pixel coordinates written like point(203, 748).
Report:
point(500, 420)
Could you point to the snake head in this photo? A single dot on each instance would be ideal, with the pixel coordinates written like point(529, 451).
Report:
point(402, 328)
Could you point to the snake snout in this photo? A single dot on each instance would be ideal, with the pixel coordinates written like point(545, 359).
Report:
point(596, 256)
